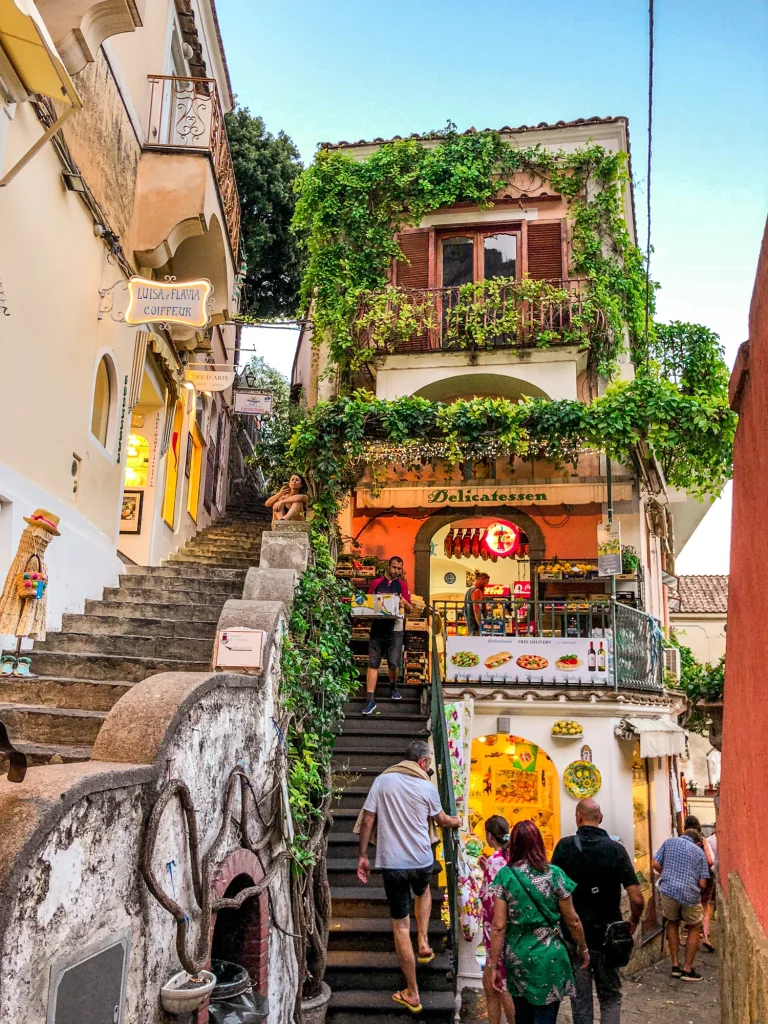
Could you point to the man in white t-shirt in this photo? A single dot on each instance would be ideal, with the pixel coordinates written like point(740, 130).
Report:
point(402, 802)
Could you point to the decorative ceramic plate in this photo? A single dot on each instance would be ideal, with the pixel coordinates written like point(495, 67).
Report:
point(582, 779)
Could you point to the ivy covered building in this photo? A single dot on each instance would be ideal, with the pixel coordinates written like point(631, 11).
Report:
point(482, 361)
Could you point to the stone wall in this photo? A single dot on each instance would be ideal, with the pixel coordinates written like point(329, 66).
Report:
point(73, 834)
point(743, 957)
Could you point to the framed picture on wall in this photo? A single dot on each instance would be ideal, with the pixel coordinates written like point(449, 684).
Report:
point(130, 514)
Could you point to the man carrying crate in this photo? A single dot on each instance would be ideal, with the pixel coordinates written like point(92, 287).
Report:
point(386, 640)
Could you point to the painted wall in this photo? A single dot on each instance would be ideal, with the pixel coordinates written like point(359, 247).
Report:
point(745, 723)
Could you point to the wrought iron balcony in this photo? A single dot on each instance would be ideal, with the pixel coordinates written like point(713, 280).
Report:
point(483, 316)
point(185, 116)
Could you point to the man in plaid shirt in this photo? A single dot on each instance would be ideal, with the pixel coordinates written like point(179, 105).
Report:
point(684, 874)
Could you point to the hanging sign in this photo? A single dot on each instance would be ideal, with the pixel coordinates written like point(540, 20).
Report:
point(502, 539)
point(209, 378)
point(609, 549)
point(522, 589)
point(253, 403)
point(174, 302)
point(495, 590)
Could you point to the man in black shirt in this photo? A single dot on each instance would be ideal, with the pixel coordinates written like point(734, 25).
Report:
point(599, 867)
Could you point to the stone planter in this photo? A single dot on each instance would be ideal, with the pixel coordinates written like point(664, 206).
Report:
point(176, 999)
point(314, 1010)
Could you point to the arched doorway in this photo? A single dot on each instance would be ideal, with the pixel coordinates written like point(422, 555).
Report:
point(423, 545)
point(241, 934)
point(513, 777)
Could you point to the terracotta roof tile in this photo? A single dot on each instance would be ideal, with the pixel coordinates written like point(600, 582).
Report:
point(506, 130)
point(703, 595)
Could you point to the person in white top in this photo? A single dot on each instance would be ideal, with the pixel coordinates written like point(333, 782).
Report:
point(402, 803)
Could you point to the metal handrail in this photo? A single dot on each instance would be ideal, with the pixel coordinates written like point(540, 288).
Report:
point(448, 800)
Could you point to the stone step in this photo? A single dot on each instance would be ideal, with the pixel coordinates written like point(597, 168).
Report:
point(380, 971)
point(359, 753)
point(369, 901)
point(86, 694)
point(113, 625)
point(69, 727)
point(176, 610)
point(230, 543)
point(200, 572)
point(385, 708)
point(342, 871)
point(214, 560)
point(106, 667)
point(353, 795)
point(128, 645)
point(381, 737)
point(383, 724)
point(375, 933)
point(41, 753)
point(356, 1005)
point(177, 589)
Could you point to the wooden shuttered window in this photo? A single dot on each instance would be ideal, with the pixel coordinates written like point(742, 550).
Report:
point(545, 251)
point(415, 273)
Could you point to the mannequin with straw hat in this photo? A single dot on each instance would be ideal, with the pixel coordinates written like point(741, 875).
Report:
point(25, 616)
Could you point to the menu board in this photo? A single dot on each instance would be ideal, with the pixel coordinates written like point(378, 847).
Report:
point(566, 660)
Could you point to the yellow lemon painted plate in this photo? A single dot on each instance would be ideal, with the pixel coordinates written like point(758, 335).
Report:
point(582, 779)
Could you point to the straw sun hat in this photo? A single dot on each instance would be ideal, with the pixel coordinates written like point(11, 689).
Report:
point(42, 517)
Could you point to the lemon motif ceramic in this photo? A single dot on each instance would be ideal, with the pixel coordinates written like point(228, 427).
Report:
point(582, 779)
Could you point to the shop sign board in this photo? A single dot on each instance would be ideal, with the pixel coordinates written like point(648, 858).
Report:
point(495, 590)
point(522, 589)
point(175, 302)
point(253, 403)
point(533, 659)
point(609, 548)
point(502, 539)
point(208, 378)
point(408, 495)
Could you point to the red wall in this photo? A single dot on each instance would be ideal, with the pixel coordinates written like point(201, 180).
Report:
point(741, 835)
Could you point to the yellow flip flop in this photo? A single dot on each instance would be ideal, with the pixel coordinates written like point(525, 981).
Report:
point(398, 998)
point(426, 958)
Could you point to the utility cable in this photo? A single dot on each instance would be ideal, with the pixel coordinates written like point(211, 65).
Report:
point(651, 28)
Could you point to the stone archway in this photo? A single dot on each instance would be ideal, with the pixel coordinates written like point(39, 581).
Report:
point(241, 935)
point(428, 529)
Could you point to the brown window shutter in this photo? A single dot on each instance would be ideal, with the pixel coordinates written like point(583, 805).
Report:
point(415, 273)
point(545, 251)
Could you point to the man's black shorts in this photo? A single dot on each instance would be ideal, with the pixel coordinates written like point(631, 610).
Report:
point(398, 886)
point(387, 645)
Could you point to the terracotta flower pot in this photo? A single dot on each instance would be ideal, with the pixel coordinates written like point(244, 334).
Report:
point(315, 1009)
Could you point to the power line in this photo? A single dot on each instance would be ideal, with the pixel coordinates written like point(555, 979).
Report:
point(648, 174)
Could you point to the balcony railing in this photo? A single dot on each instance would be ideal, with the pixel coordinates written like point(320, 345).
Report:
point(185, 115)
point(482, 316)
point(632, 639)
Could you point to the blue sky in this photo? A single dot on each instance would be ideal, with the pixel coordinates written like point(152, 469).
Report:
point(343, 70)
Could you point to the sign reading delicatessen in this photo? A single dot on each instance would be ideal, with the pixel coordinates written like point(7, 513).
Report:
point(494, 659)
point(407, 495)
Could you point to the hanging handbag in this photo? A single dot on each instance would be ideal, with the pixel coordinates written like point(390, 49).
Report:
point(31, 584)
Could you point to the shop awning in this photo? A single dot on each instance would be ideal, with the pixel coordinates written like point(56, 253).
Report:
point(32, 53)
point(659, 737)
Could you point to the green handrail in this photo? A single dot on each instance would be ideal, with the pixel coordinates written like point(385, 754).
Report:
point(448, 799)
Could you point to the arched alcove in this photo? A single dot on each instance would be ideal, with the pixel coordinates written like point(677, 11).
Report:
point(486, 385)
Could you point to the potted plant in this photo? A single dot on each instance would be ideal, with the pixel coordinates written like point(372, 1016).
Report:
point(692, 788)
point(185, 994)
point(630, 563)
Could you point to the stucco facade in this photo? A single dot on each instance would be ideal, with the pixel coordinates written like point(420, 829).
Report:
point(102, 200)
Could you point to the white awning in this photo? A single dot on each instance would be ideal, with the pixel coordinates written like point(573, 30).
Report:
point(659, 737)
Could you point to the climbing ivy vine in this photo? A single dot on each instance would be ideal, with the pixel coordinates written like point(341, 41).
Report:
point(348, 211)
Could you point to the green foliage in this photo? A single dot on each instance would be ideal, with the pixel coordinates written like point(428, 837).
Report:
point(348, 211)
point(690, 435)
point(318, 677)
point(271, 450)
point(690, 356)
point(266, 168)
point(701, 682)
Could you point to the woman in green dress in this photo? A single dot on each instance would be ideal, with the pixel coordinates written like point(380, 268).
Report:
point(530, 897)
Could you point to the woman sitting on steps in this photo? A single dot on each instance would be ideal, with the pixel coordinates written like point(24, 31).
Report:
point(290, 502)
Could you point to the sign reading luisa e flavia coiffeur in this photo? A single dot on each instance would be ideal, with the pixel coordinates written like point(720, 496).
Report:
point(175, 302)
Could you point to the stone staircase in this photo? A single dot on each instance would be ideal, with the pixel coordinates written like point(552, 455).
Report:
point(363, 972)
point(159, 619)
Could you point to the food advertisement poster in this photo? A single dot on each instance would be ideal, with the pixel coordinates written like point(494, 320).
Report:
point(609, 549)
point(516, 787)
point(492, 659)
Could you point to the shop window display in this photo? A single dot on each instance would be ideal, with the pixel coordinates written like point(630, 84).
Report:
point(641, 807)
point(516, 779)
point(137, 461)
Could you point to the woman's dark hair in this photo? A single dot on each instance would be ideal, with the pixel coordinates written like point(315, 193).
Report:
point(527, 847)
point(692, 822)
point(498, 828)
point(303, 481)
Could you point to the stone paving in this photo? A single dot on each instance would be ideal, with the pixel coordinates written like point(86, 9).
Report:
point(651, 997)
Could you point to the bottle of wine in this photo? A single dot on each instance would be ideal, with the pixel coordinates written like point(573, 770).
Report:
point(448, 545)
point(476, 544)
point(457, 545)
point(601, 658)
point(466, 544)
point(591, 657)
